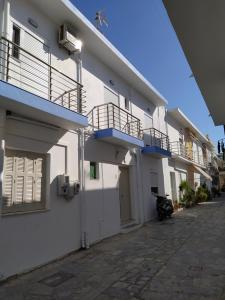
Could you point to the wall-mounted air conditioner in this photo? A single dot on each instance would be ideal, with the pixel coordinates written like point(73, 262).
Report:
point(68, 40)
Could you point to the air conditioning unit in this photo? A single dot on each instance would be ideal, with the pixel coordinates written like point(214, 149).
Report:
point(68, 40)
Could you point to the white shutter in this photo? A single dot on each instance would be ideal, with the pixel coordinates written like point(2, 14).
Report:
point(8, 190)
point(35, 74)
point(23, 179)
point(38, 179)
point(8, 180)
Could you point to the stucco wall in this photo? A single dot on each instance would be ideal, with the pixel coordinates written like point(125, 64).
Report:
point(32, 239)
point(47, 32)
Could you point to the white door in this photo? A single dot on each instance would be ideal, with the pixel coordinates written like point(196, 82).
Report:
point(148, 121)
point(124, 195)
point(35, 73)
point(111, 113)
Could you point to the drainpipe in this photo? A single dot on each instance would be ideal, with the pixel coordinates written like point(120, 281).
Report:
point(140, 186)
point(4, 30)
point(4, 26)
point(81, 140)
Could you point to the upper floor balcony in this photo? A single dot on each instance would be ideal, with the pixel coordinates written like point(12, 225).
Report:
point(115, 125)
point(156, 143)
point(31, 87)
point(180, 150)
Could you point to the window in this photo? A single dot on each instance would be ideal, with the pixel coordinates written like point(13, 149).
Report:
point(93, 170)
point(23, 181)
point(16, 41)
point(127, 103)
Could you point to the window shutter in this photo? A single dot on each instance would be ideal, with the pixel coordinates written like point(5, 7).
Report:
point(23, 183)
point(38, 179)
point(8, 181)
point(19, 179)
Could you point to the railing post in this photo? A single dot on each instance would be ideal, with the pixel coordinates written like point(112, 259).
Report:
point(113, 117)
point(79, 98)
point(98, 118)
point(7, 62)
point(50, 83)
point(107, 113)
point(93, 121)
point(69, 100)
point(128, 129)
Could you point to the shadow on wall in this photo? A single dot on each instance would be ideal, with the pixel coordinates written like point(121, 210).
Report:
point(100, 151)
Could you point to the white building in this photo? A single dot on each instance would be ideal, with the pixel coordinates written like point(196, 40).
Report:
point(191, 153)
point(115, 145)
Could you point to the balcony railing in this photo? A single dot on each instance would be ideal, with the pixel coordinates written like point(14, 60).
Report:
point(110, 115)
point(154, 137)
point(22, 69)
point(181, 150)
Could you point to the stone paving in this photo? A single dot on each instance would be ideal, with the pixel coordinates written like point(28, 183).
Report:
point(181, 258)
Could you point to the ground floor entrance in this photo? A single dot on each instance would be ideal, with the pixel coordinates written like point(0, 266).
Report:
point(124, 195)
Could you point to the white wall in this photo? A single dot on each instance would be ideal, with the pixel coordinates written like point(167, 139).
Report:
point(181, 172)
point(47, 31)
point(36, 238)
point(32, 239)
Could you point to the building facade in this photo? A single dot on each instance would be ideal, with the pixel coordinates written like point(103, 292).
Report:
point(191, 153)
point(83, 135)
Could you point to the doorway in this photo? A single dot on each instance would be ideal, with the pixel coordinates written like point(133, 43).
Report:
point(124, 195)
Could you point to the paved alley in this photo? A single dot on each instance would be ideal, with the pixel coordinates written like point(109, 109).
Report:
point(180, 258)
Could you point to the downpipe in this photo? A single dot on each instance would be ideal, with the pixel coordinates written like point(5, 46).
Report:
point(81, 142)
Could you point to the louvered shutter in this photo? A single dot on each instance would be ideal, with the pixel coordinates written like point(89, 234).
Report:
point(23, 179)
point(34, 73)
point(39, 164)
point(8, 181)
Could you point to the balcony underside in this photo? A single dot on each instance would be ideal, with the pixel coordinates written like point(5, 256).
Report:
point(31, 106)
point(156, 151)
point(114, 136)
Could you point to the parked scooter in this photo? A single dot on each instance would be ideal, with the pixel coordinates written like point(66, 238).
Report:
point(164, 207)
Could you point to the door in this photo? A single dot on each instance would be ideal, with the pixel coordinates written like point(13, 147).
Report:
point(124, 195)
point(173, 186)
point(111, 111)
point(34, 67)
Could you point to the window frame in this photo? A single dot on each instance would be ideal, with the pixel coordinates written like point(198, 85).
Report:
point(96, 170)
point(15, 49)
point(127, 103)
point(34, 205)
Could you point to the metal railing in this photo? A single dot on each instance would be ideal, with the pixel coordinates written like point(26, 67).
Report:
point(154, 137)
point(21, 68)
point(109, 115)
point(181, 150)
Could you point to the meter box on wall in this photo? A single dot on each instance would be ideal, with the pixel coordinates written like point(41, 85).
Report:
point(66, 187)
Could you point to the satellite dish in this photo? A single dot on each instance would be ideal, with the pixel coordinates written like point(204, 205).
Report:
point(100, 20)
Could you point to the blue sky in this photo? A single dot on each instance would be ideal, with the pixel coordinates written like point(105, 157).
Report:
point(141, 30)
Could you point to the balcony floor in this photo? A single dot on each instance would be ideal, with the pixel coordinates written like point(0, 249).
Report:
point(31, 106)
point(114, 136)
point(156, 151)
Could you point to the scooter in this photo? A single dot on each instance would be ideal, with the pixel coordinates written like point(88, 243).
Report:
point(164, 207)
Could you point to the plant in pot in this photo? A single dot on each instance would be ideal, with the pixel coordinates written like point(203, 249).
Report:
point(187, 194)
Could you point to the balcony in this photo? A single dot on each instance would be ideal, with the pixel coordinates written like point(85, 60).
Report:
point(156, 143)
point(33, 88)
point(179, 150)
point(115, 125)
